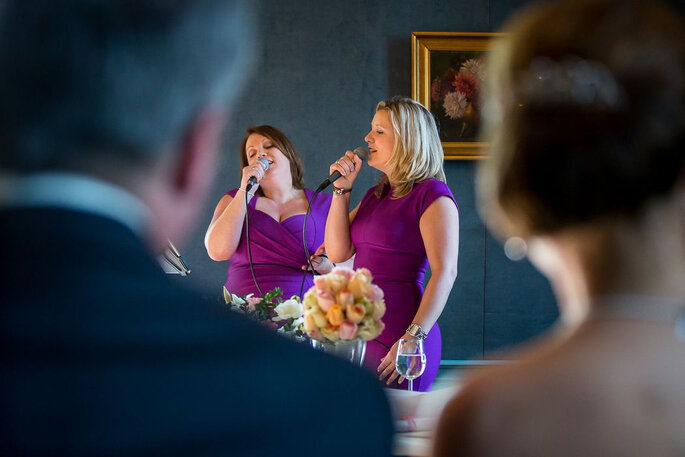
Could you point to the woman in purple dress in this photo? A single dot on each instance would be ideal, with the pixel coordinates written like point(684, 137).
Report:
point(277, 205)
point(404, 224)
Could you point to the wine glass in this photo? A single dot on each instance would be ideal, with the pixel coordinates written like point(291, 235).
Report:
point(411, 360)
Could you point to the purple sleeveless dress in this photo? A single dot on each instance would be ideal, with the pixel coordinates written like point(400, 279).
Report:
point(277, 250)
point(387, 238)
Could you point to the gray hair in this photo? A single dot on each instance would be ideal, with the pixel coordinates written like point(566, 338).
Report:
point(118, 80)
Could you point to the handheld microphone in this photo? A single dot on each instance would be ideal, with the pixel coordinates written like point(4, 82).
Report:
point(253, 179)
point(359, 152)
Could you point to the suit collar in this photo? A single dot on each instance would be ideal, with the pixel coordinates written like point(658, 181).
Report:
point(74, 192)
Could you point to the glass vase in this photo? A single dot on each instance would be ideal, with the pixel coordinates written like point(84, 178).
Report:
point(350, 350)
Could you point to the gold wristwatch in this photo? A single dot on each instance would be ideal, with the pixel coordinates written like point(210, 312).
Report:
point(416, 331)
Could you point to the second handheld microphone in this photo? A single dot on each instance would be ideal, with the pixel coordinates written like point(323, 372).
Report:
point(359, 152)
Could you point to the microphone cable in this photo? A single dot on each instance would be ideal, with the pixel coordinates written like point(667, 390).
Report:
point(309, 261)
point(362, 154)
point(304, 241)
point(249, 249)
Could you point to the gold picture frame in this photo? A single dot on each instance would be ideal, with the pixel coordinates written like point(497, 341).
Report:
point(448, 69)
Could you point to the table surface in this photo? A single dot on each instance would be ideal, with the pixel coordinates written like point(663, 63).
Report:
point(415, 416)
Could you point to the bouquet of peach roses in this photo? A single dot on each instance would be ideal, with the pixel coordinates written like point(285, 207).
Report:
point(344, 305)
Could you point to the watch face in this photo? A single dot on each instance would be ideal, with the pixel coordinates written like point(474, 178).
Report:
point(416, 331)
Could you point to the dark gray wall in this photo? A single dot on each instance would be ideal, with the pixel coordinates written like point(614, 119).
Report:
point(323, 66)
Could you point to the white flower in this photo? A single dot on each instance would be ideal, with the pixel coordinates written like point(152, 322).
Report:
point(288, 309)
point(233, 299)
point(455, 104)
point(475, 67)
point(237, 300)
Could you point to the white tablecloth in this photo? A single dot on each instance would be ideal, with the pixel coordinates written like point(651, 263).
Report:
point(415, 416)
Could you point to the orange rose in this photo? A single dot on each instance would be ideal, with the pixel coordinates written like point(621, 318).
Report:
point(356, 313)
point(335, 315)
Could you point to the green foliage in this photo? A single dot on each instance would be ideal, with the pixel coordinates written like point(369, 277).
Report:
point(264, 311)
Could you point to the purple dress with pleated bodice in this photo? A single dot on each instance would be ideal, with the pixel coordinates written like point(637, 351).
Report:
point(277, 250)
point(387, 238)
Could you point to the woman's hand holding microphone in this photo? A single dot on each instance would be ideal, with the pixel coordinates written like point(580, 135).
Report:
point(348, 166)
point(256, 171)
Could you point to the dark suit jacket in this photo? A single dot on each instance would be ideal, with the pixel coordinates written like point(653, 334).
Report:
point(102, 354)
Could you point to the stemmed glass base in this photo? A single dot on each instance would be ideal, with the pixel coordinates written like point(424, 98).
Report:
point(410, 360)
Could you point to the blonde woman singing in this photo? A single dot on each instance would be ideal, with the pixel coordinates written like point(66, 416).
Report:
point(404, 224)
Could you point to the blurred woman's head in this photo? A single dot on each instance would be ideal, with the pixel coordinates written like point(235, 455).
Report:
point(416, 153)
point(271, 141)
point(585, 114)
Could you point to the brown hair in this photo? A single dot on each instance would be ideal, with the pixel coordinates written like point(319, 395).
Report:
point(283, 144)
point(585, 114)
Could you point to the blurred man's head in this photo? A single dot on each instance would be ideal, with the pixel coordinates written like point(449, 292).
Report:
point(131, 91)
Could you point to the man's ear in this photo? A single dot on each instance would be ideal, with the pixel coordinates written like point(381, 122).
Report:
point(176, 191)
point(197, 154)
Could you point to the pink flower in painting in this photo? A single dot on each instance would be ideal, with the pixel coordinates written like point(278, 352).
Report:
point(435, 90)
point(446, 85)
point(465, 83)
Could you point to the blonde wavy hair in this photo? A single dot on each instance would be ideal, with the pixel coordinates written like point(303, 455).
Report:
point(417, 154)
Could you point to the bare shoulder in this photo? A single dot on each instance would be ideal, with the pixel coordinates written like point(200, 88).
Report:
point(221, 206)
point(480, 419)
point(517, 409)
point(459, 430)
point(499, 406)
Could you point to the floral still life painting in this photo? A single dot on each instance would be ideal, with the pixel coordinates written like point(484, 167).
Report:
point(448, 78)
point(456, 93)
